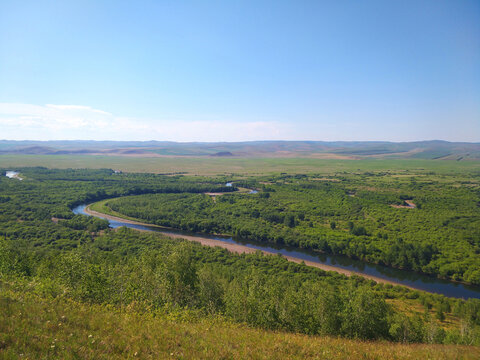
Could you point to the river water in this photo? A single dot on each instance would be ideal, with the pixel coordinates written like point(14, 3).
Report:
point(401, 277)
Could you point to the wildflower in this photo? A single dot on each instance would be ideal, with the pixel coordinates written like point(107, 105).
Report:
point(90, 335)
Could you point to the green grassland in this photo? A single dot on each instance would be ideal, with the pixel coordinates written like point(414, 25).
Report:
point(239, 166)
point(103, 208)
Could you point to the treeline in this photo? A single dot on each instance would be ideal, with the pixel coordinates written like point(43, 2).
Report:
point(79, 222)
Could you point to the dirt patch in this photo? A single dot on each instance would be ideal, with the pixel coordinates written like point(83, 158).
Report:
point(410, 205)
point(339, 270)
point(215, 194)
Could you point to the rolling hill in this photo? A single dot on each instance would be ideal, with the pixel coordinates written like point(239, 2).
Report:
point(436, 149)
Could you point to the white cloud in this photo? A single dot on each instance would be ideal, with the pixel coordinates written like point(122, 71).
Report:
point(69, 122)
point(77, 107)
point(76, 122)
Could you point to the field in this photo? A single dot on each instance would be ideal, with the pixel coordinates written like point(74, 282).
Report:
point(240, 166)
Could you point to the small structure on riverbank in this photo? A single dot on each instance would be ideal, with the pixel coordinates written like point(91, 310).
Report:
point(13, 175)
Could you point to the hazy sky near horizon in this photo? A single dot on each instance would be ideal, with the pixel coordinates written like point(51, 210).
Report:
point(240, 70)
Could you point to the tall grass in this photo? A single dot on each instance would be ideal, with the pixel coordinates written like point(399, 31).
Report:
point(35, 327)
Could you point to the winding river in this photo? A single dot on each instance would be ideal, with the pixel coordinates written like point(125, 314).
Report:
point(338, 263)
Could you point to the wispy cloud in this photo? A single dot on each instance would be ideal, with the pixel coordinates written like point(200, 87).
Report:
point(77, 107)
point(50, 121)
point(77, 122)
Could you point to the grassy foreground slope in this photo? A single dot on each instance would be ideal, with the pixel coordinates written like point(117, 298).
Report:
point(34, 327)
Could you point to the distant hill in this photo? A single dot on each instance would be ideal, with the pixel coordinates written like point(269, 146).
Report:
point(436, 149)
point(222, 153)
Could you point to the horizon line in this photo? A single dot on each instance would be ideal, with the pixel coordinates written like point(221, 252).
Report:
point(246, 141)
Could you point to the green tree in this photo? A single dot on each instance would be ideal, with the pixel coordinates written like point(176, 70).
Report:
point(365, 315)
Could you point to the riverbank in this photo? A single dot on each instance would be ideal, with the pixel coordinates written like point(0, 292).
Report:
point(237, 248)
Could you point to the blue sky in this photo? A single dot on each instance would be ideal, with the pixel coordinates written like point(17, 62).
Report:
point(240, 70)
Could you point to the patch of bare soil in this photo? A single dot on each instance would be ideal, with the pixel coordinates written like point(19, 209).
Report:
point(410, 205)
point(214, 193)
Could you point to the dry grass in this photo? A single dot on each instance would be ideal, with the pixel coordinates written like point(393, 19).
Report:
point(412, 307)
point(32, 327)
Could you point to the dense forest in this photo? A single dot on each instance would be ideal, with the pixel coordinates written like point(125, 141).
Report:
point(44, 247)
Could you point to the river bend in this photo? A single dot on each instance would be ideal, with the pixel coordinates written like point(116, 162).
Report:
point(337, 263)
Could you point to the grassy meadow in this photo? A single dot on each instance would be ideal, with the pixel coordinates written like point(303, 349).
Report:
point(239, 166)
